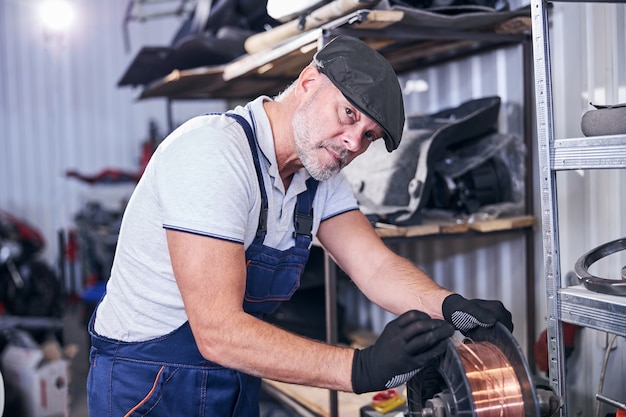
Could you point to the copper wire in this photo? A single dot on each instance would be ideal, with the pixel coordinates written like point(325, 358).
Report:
point(495, 388)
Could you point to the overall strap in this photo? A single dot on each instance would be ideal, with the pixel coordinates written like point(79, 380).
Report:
point(303, 215)
point(262, 227)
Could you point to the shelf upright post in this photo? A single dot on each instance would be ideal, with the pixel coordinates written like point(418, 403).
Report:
point(332, 334)
point(330, 287)
point(547, 183)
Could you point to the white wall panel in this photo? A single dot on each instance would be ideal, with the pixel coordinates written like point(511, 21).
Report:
point(61, 108)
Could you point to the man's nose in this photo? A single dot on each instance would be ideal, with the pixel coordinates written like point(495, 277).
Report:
point(353, 139)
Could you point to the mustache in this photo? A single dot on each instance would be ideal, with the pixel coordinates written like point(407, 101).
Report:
point(341, 152)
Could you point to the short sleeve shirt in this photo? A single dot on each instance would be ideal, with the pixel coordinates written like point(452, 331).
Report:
point(200, 180)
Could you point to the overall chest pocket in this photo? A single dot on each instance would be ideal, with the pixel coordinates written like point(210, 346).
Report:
point(272, 277)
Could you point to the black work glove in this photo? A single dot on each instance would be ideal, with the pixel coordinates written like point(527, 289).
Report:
point(405, 345)
point(466, 314)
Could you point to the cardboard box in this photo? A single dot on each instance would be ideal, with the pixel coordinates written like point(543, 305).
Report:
point(43, 385)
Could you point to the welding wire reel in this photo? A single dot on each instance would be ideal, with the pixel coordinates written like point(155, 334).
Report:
point(597, 284)
point(445, 390)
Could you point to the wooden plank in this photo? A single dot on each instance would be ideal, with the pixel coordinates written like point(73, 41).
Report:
point(180, 82)
point(361, 338)
point(270, 70)
point(516, 25)
point(385, 230)
point(293, 54)
point(318, 17)
point(507, 223)
point(314, 399)
point(317, 400)
point(380, 19)
point(423, 230)
point(389, 230)
point(453, 228)
point(251, 87)
point(291, 50)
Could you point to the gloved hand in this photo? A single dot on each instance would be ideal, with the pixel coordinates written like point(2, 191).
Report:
point(466, 314)
point(406, 344)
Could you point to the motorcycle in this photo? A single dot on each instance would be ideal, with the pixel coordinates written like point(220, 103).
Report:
point(31, 303)
point(28, 285)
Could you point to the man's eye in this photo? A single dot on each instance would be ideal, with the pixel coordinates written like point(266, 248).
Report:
point(349, 112)
point(371, 136)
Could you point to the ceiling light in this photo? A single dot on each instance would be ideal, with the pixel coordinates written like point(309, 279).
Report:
point(56, 15)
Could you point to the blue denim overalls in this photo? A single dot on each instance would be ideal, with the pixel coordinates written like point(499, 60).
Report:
point(168, 376)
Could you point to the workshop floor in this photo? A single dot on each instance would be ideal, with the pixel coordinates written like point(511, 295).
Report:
point(75, 332)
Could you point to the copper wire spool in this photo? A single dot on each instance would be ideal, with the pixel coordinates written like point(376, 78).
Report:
point(494, 385)
point(485, 376)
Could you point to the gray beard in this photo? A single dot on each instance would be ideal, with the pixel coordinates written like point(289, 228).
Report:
point(306, 150)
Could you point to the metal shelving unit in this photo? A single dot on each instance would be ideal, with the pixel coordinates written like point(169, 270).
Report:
point(575, 305)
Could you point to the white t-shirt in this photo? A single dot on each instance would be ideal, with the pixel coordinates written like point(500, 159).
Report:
point(202, 180)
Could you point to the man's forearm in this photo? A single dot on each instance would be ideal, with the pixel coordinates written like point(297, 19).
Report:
point(398, 286)
point(261, 349)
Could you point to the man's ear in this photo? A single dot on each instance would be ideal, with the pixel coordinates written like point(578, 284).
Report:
point(308, 78)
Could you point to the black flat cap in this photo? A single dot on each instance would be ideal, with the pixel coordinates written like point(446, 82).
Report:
point(368, 81)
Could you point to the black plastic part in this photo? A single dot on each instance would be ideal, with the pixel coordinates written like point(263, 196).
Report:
point(303, 224)
point(597, 284)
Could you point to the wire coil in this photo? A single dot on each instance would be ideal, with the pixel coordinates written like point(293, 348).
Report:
point(482, 376)
point(494, 385)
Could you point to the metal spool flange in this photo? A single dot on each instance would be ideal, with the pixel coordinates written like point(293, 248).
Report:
point(448, 376)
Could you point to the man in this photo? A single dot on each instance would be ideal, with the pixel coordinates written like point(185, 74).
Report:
point(218, 231)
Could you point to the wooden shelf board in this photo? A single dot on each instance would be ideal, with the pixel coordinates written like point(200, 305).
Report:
point(316, 401)
point(185, 83)
point(497, 225)
point(445, 228)
point(270, 70)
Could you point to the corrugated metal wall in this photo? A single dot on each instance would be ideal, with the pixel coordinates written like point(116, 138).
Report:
point(481, 267)
point(61, 110)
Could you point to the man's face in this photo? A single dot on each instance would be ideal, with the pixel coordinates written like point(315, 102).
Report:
point(330, 132)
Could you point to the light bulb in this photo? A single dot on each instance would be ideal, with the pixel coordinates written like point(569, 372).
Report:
point(56, 15)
